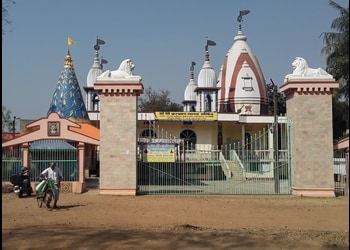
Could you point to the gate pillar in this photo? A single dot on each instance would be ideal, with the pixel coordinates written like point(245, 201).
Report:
point(118, 92)
point(80, 187)
point(309, 108)
point(25, 154)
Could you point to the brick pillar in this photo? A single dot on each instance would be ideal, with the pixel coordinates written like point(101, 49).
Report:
point(309, 108)
point(118, 137)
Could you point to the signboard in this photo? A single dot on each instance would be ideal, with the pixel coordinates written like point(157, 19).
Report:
point(186, 116)
point(158, 152)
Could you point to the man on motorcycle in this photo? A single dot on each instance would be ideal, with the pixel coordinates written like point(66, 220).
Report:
point(21, 182)
point(25, 179)
point(25, 173)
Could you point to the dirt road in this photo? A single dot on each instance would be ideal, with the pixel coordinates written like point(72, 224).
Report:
point(93, 221)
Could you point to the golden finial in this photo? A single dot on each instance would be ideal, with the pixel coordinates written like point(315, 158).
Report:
point(68, 62)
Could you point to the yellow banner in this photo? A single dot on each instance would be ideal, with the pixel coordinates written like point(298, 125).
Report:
point(70, 41)
point(186, 116)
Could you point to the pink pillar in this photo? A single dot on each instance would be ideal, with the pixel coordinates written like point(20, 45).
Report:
point(25, 154)
point(118, 134)
point(309, 108)
point(80, 187)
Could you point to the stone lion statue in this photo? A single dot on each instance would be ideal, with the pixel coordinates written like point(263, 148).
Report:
point(125, 70)
point(302, 69)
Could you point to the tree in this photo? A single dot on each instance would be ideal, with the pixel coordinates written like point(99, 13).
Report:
point(6, 120)
point(281, 101)
point(152, 101)
point(337, 51)
point(6, 22)
point(340, 118)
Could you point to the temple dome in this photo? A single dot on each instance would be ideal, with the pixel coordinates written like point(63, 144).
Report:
point(95, 71)
point(241, 81)
point(207, 77)
point(190, 94)
point(67, 100)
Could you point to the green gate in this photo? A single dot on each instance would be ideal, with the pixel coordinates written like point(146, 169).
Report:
point(42, 152)
point(11, 162)
point(63, 152)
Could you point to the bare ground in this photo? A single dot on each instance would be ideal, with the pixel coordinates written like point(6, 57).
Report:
point(94, 221)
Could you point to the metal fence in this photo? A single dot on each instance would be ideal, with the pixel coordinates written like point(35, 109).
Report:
point(340, 175)
point(41, 154)
point(248, 168)
point(252, 167)
point(11, 162)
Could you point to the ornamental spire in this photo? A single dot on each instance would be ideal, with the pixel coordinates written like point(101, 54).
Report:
point(240, 19)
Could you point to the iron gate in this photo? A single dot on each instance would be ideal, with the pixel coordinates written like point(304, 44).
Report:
point(252, 167)
point(42, 152)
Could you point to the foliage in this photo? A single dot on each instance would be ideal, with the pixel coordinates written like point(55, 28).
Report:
point(340, 111)
point(152, 101)
point(6, 120)
point(6, 22)
point(281, 100)
point(337, 51)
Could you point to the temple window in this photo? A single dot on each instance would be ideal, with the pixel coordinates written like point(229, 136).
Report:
point(208, 103)
point(247, 83)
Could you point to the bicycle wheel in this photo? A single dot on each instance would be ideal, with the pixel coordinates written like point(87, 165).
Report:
point(49, 199)
point(40, 199)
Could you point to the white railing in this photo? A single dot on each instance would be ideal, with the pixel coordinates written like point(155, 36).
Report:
point(201, 155)
point(339, 166)
point(237, 159)
point(225, 167)
point(237, 155)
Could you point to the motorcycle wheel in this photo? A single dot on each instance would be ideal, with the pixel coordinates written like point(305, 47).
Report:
point(29, 191)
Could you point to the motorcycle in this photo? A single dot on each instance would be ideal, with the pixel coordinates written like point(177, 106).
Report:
point(21, 183)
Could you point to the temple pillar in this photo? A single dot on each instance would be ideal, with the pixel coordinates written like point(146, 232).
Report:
point(118, 133)
point(80, 187)
point(309, 108)
point(25, 154)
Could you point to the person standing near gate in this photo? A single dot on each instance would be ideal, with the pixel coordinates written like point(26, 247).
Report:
point(55, 174)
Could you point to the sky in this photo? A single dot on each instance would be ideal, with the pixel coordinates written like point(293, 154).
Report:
point(161, 37)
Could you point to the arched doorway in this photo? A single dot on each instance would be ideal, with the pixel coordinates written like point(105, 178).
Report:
point(189, 137)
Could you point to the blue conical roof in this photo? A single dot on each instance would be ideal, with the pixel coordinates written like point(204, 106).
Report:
point(67, 100)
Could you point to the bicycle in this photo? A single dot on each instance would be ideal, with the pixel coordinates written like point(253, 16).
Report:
point(47, 193)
